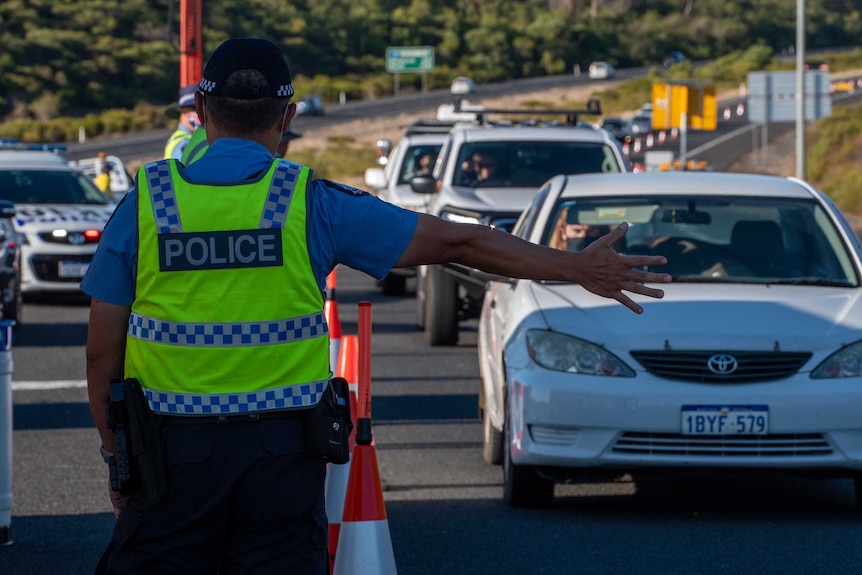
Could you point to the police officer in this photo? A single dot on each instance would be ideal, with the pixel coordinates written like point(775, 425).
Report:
point(187, 121)
point(207, 287)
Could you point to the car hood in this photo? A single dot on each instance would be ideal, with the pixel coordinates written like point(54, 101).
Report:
point(41, 217)
point(491, 199)
point(698, 316)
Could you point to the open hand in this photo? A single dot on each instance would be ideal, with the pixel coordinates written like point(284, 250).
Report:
point(608, 273)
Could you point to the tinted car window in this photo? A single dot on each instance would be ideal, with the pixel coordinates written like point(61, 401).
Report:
point(532, 163)
point(48, 187)
point(410, 166)
point(728, 239)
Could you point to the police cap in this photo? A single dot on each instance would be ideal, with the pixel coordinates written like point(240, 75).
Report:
point(247, 54)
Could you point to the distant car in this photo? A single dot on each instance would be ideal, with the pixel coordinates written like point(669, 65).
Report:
point(620, 128)
point(673, 57)
point(60, 214)
point(310, 106)
point(641, 124)
point(752, 361)
point(462, 86)
point(601, 71)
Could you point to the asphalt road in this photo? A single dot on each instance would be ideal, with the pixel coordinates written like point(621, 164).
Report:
point(444, 504)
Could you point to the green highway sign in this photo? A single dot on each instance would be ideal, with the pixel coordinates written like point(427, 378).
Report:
point(405, 59)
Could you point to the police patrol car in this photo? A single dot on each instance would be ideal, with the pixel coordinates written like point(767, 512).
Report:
point(59, 217)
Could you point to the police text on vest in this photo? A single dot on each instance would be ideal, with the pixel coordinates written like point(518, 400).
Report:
point(220, 250)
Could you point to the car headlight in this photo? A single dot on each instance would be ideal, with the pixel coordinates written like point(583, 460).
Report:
point(846, 362)
point(459, 218)
point(561, 352)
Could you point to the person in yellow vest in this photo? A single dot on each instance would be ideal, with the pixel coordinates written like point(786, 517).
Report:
point(103, 176)
point(187, 121)
point(207, 288)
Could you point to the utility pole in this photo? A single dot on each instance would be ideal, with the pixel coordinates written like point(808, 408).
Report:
point(191, 41)
point(800, 89)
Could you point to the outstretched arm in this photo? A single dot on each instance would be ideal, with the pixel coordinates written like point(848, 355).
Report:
point(598, 268)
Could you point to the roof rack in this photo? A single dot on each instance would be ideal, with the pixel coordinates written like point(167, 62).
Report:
point(430, 127)
point(594, 108)
point(13, 144)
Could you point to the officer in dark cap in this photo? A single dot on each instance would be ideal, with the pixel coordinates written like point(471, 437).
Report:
point(187, 121)
point(208, 289)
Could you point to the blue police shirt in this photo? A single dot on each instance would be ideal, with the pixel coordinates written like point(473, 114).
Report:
point(345, 225)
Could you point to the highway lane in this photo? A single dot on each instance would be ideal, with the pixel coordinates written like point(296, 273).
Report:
point(148, 144)
point(444, 504)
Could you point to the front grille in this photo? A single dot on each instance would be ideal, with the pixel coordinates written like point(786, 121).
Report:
point(694, 365)
point(47, 267)
point(674, 444)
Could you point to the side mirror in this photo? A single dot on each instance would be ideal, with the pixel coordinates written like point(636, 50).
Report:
point(423, 185)
point(375, 178)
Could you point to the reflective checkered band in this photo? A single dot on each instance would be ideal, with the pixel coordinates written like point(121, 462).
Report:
point(227, 334)
point(285, 91)
point(207, 85)
point(300, 395)
point(280, 193)
point(163, 198)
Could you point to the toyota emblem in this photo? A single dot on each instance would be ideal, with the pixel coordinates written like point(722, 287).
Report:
point(722, 364)
point(76, 239)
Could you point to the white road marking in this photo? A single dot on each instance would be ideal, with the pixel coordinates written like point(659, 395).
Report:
point(42, 385)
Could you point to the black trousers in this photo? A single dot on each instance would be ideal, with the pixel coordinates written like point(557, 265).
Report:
point(243, 498)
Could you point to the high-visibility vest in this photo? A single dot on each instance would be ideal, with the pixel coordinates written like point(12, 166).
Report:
point(228, 316)
point(176, 138)
point(196, 147)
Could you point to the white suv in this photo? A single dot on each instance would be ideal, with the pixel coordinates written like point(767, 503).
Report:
point(464, 189)
point(59, 216)
point(415, 154)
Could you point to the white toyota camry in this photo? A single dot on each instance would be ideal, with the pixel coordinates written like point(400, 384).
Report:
point(751, 362)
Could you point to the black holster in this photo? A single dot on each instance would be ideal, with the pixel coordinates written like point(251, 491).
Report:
point(138, 459)
point(328, 425)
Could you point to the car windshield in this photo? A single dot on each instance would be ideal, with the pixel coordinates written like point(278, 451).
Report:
point(716, 239)
point(529, 164)
point(418, 161)
point(48, 187)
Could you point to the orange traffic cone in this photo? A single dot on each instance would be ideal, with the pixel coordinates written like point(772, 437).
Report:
point(330, 309)
point(364, 544)
point(337, 475)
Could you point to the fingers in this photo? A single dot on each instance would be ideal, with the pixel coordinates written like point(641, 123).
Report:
point(626, 301)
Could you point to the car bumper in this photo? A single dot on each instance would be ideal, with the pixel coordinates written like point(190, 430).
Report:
point(636, 423)
point(54, 270)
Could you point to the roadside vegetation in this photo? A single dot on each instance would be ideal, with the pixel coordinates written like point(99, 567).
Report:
point(111, 68)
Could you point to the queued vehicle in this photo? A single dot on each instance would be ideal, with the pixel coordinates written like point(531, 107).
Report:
point(601, 71)
point(487, 173)
point(310, 105)
point(11, 296)
point(619, 128)
point(59, 218)
point(673, 57)
point(414, 155)
point(752, 361)
point(640, 124)
point(462, 86)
